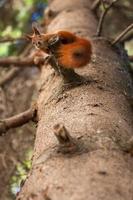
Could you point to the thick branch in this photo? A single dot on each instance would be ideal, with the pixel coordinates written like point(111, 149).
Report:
point(17, 120)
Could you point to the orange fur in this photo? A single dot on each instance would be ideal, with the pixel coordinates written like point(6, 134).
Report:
point(71, 52)
point(76, 54)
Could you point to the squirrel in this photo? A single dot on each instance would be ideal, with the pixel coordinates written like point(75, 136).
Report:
point(69, 50)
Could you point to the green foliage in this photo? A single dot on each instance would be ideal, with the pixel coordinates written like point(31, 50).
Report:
point(129, 47)
point(18, 22)
point(8, 48)
point(21, 172)
point(4, 49)
point(31, 2)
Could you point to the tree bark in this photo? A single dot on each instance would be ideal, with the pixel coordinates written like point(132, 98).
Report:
point(97, 115)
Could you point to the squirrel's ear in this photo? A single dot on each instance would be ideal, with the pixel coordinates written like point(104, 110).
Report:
point(36, 28)
point(36, 31)
point(28, 37)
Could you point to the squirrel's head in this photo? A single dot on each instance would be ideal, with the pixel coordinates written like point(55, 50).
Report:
point(38, 39)
point(43, 41)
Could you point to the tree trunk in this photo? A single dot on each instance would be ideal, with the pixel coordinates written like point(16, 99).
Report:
point(97, 115)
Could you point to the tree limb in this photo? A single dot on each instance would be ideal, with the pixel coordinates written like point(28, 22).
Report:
point(14, 70)
point(17, 61)
point(17, 120)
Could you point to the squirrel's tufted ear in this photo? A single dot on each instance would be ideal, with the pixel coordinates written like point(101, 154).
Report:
point(36, 29)
point(28, 37)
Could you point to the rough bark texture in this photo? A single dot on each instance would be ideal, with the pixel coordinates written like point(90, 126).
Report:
point(97, 115)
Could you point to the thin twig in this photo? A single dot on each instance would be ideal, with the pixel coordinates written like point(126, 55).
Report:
point(17, 120)
point(100, 24)
point(127, 38)
point(121, 35)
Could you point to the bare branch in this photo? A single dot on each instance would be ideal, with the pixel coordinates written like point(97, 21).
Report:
point(17, 120)
point(14, 70)
point(17, 61)
point(127, 37)
point(100, 24)
point(121, 35)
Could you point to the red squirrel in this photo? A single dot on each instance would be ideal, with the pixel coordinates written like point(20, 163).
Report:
point(69, 50)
